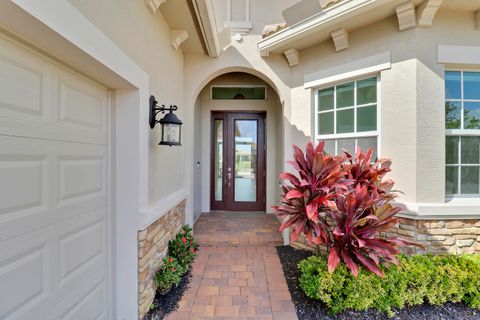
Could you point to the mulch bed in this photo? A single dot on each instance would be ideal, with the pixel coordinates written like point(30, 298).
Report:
point(309, 309)
point(164, 304)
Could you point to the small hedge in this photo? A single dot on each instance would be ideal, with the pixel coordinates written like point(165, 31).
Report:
point(418, 279)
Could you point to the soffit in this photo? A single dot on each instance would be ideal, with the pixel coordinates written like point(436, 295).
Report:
point(178, 16)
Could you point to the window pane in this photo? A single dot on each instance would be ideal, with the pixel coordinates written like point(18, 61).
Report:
point(453, 87)
point(471, 85)
point(238, 93)
point(470, 150)
point(367, 118)
point(329, 147)
point(453, 114)
point(325, 123)
point(325, 99)
point(345, 95)
point(366, 143)
point(469, 180)
point(347, 144)
point(451, 150)
point(345, 121)
point(471, 115)
point(451, 185)
point(367, 91)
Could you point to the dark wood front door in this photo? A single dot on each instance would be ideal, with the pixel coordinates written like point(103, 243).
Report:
point(238, 161)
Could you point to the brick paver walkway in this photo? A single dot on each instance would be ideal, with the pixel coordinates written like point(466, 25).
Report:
point(237, 274)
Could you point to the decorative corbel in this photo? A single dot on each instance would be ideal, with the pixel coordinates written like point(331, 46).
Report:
point(292, 56)
point(340, 39)
point(426, 12)
point(154, 5)
point(177, 37)
point(406, 16)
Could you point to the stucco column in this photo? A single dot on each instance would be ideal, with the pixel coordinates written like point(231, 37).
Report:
point(430, 173)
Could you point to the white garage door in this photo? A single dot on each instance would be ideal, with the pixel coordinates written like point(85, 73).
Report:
point(54, 190)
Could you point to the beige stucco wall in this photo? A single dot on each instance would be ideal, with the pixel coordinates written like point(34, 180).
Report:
point(205, 106)
point(145, 38)
point(412, 95)
point(412, 92)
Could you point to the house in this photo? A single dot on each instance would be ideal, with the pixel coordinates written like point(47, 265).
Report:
point(88, 199)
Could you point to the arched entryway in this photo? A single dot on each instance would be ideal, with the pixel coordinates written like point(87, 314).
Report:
point(238, 144)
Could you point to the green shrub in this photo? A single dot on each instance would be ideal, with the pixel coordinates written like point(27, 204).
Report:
point(183, 247)
point(181, 252)
point(169, 275)
point(416, 280)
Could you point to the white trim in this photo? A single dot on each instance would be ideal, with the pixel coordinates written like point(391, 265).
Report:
point(447, 54)
point(205, 14)
point(344, 72)
point(150, 214)
point(461, 208)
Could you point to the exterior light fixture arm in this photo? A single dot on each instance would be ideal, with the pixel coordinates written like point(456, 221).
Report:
point(156, 109)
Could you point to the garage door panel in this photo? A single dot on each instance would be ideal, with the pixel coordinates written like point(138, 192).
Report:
point(41, 99)
point(42, 182)
point(81, 178)
point(23, 281)
point(23, 84)
point(82, 104)
point(80, 247)
point(23, 183)
point(91, 306)
point(42, 265)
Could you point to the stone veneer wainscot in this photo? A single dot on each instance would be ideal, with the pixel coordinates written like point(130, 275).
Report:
point(438, 236)
point(152, 248)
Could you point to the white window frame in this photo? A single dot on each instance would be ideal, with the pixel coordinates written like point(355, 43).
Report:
point(238, 86)
point(461, 133)
point(351, 135)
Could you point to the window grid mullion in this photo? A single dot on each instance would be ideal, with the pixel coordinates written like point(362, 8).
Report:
point(459, 173)
point(461, 102)
point(355, 110)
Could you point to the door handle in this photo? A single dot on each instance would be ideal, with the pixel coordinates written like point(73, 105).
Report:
point(229, 176)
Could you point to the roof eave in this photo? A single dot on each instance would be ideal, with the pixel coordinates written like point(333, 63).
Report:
point(331, 18)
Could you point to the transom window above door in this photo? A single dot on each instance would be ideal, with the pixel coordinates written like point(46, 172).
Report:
point(238, 92)
point(462, 130)
point(347, 116)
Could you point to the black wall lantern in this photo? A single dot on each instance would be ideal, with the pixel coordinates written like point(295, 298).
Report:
point(171, 125)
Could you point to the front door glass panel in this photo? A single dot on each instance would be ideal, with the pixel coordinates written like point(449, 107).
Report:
point(245, 160)
point(218, 171)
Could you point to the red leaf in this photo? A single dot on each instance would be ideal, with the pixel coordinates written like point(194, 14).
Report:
point(312, 211)
point(292, 194)
point(333, 260)
point(351, 265)
point(369, 264)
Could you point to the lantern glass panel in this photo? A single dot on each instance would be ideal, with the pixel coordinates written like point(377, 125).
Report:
point(171, 133)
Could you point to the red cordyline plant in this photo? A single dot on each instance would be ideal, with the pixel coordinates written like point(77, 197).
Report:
point(320, 177)
point(343, 203)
